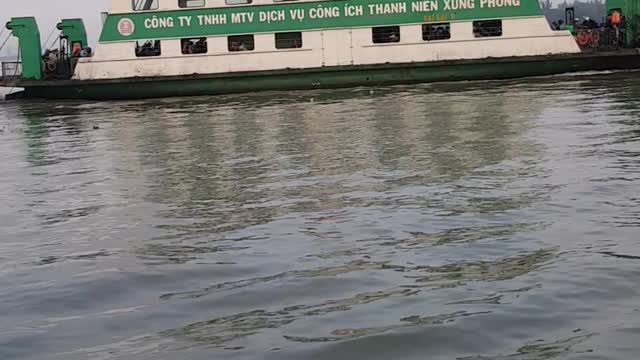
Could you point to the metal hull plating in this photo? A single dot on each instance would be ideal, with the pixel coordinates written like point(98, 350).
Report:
point(328, 77)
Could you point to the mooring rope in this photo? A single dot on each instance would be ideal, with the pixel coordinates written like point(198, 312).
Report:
point(48, 38)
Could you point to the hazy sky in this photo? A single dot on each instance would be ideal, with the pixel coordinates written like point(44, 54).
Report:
point(50, 12)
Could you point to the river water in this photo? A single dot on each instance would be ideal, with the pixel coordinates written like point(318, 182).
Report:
point(482, 220)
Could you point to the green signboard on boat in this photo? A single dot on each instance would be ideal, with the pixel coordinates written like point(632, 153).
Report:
point(293, 16)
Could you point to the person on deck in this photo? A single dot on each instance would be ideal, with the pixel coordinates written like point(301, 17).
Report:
point(615, 19)
point(200, 47)
point(589, 23)
point(186, 47)
point(76, 50)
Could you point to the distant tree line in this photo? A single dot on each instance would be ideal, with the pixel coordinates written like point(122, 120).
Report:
point(593, 9)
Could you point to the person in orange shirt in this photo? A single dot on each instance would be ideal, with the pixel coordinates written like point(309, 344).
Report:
point(76, 50)
point(615, 19)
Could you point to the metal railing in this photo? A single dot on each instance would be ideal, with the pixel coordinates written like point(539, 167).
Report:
point(11, 70)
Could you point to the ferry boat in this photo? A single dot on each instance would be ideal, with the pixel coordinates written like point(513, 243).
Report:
point(160, 48)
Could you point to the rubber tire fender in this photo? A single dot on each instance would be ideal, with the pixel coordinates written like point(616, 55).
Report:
point(52, 66)
point(582, 38)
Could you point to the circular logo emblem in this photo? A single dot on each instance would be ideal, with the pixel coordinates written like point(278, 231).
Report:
point(126, 27)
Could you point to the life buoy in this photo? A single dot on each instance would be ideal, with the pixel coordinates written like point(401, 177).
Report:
point(582, 38)
point(595, 38)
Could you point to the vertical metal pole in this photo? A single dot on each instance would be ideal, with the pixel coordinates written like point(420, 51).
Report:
point(323, 52)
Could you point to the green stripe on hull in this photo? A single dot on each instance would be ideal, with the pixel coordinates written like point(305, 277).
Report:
point(331, 77)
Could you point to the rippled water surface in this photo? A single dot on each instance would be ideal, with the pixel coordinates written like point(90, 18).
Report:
point(488, 220)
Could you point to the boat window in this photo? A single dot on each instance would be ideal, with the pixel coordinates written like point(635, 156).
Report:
point(240, 43)
point(146, 48)
point(237, 2)
point(385, 34)
point(142, 5)
point(289, 40)
point(487, 28)
point(190, 3)
point(441, 31)
point(194, 46)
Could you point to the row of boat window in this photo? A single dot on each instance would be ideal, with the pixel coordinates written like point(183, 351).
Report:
point(293, 40)
point(289, 40)
point(439, 31)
